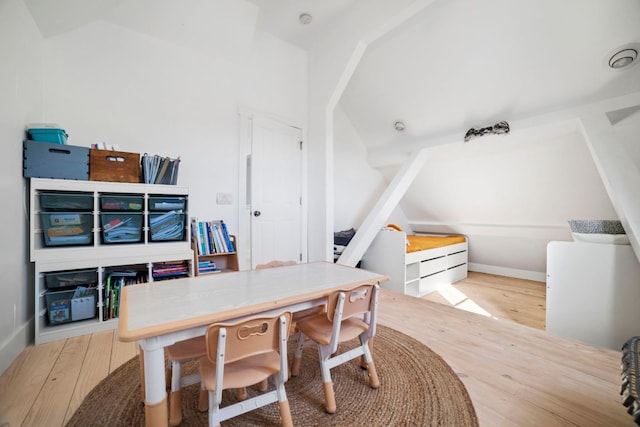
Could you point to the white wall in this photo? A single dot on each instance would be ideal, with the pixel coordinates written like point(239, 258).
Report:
point(629, 131)
point(107, 83)
point(511, 196)
point(357, 186)
point(21, 69)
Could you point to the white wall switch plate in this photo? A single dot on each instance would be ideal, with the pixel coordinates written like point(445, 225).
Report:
point(224, 198)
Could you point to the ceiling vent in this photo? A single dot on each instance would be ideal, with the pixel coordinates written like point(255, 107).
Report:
point(624, 56)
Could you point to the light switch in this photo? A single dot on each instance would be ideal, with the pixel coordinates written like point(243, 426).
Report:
point(224, 198)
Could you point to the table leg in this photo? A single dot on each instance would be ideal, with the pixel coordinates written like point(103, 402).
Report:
point(155, 402)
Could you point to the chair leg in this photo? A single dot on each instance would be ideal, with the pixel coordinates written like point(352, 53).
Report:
point(141, 361)
point(241, 393)
point(203, 400)
point(263, 385)
point(374, 382)
point(175, 396)
point(285, 414)
point(329, 397)
point(175, 408)
point(363, 360)
point(297, 356)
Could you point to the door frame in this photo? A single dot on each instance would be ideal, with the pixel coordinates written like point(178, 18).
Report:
point(246, 117)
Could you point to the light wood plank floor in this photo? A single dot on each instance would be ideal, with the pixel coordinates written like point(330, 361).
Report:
point(516, 375)
point(506, 298)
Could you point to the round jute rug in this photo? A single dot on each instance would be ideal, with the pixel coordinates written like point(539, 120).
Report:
point(417, 388)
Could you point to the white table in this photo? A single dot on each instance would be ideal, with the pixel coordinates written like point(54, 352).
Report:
point(158, 314)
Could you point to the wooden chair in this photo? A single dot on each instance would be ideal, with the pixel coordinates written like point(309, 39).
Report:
point(350, 315)
point(178, 354)
point(244, 353)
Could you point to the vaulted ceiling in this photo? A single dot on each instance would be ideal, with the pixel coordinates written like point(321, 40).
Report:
point(461, 64)
point(457, 64)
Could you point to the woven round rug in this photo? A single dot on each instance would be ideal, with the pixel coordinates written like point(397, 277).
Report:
point(417, 388)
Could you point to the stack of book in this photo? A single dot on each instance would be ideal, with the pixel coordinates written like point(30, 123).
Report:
point(212, 237)
point(160, 170)
point(169, 270)
point(206, 266)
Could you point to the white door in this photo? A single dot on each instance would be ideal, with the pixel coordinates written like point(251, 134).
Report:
point(276, 192)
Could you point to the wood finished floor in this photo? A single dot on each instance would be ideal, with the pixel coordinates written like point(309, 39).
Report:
point(516, 374)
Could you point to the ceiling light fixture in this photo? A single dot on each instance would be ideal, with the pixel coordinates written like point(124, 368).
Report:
point(305, 18)
point(399, 126)
point(623, 58)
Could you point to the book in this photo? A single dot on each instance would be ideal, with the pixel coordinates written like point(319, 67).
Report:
point(227, 238)
point(202, 242)
point(210, 239)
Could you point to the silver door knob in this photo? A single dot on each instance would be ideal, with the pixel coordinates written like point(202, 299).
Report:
point(257, 213)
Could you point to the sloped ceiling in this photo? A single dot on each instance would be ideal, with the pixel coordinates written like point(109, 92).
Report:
point(221, 28)
point(458, 64)
point(461, 64)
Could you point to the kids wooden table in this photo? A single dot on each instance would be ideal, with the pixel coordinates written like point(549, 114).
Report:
point(158, 314)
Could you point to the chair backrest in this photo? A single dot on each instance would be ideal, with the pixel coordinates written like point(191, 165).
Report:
point(274, 264)
point(239, 340)
point(360, 300)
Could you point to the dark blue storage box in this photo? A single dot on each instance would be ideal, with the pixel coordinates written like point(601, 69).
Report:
point(50, 160)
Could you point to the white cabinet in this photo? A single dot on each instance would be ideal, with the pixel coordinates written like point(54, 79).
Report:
point(593, 292)
point(72, 233)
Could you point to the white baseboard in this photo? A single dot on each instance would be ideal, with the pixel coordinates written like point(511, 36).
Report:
point(13, 346)
point(538, 276)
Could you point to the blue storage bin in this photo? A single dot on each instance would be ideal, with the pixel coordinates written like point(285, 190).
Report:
point(167, 203)
point(121, 202)
point(121, 227)
point(57, 136)
point(70, 306)
point(67, 228)
point(66, 202)
point(166, 226)
point(71, 278)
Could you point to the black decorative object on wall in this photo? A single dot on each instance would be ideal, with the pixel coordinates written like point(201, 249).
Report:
point(497, 129)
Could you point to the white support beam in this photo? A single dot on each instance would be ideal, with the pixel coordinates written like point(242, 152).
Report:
point(383, 209)
point(617, 170)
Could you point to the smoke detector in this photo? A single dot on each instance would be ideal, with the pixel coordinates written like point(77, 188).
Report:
point(399, 126)
point(305, 18)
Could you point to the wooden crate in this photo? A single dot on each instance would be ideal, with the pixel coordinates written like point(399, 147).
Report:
point(114, 166)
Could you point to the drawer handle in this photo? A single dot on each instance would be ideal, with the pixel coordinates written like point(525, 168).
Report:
point(59, 150)
point(115, 159)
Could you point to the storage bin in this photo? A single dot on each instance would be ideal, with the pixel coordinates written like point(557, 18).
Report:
point(121, 227)
point(118, 202)
point(53, 135)
point(168, 226)
point(72, 278)
point(114, 166)
point(66, 201)
point(166, 203)
point(67, 228)
point(49, 160)
point(62, 307)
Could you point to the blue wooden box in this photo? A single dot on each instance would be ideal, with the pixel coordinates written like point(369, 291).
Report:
point(59, 161)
